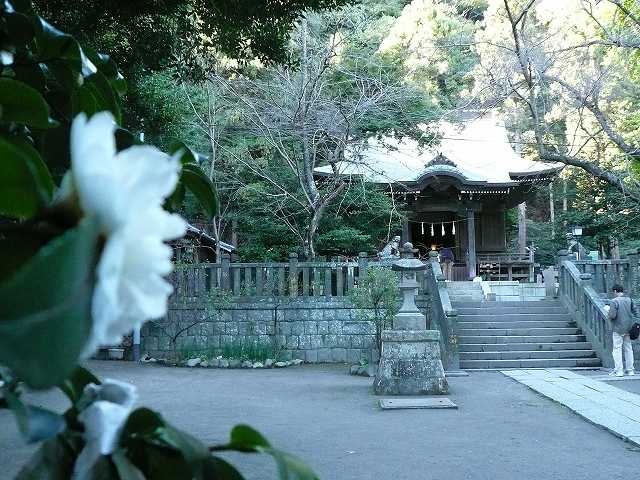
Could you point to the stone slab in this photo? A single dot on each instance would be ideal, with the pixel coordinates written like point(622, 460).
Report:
point(597, 402)
point(411, 336)
point(609, 378)
point(416, 403)
point(456, 373)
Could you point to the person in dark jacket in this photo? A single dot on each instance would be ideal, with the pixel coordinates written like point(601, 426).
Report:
point(622, 313)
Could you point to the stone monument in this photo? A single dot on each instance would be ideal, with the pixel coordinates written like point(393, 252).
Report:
point(410, 362)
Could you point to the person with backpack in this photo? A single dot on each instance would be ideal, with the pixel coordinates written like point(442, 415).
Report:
point(622, 313)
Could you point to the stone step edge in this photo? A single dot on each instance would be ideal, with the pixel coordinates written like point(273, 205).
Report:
point(497, 369)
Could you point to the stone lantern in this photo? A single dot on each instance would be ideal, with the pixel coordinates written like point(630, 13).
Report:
point(410, 362)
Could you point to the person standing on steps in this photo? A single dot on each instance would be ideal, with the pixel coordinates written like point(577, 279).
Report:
point(622, 314)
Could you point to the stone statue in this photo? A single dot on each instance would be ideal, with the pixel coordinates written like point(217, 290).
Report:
point(392, 249)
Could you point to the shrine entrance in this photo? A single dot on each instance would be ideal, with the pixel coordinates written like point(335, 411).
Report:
point(435, 231)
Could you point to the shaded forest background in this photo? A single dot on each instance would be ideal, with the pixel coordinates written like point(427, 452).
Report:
point(262, 116)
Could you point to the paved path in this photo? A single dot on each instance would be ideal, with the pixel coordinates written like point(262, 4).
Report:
point(501, 431)
point(601, 403)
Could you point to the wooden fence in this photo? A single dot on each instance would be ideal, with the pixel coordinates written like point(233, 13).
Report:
point(291, 279)
point(271, 279)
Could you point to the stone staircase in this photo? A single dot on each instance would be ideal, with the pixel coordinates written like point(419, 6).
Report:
point(465, 291)
point(535, 334)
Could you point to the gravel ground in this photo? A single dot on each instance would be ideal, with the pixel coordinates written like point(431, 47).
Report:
point(502, 430)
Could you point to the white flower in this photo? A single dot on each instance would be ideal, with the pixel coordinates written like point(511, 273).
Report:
point(125, 191)
point(103, 420)
point(6, 58)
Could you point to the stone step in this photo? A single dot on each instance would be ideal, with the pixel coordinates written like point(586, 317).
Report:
point(499, 332)
point(515, 317)
point(497, 308)
point(514, 347)
point(530, 363)
point(465, 324)
point(467, 298)
point(496, 339)
point(525, 354)
point(528, 303)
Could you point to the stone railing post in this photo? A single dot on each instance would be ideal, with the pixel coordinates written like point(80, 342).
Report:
point(225, 267)
point(633, 281)
point(586, 280)
point(293, 274)
point(363, 265)
point(563, 255)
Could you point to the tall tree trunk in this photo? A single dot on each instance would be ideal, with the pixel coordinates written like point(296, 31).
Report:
point(522, 227)
point(310, 246)
point(552, 210)
point(234, 232)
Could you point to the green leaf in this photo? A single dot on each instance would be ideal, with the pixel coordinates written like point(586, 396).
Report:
point(125, 139)
point(187, 155)
point(216, 468)
point(25, 182)
point(108, 68)
point(290, 467)
point(46, 308)
point(160, 450)
point(54, 460)
point(197, 182)
point(32, 75)
point(68, 77)
point(35, 423)
point(73, 387)
point(176, 199)
point(41, 173)
point(248, 437)
point(21, 103)
point(126, 469)
point(52, 44)
point(84, 100)
point(106, 97)
point(19, 28)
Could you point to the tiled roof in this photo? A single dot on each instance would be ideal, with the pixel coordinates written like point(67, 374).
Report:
point(478, 151)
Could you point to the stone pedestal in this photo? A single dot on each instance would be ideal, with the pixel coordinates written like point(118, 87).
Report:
point(410, 362)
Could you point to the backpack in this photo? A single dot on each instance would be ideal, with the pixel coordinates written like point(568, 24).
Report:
point(634, 333)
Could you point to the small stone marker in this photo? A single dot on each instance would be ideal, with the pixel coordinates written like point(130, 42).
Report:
point(413, 403)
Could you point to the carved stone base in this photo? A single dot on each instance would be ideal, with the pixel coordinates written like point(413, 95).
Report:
point(410, 364)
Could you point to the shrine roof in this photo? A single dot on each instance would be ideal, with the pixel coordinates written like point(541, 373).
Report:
point(477, 151)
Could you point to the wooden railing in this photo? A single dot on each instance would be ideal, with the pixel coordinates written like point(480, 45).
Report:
point(577, 293)
point(271, 279)
point(505, 258)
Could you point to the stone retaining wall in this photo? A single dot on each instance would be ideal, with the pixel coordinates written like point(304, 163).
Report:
point(311, 329)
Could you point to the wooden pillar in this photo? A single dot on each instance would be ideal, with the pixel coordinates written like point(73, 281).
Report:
point(522, 227)
point(406, 232)
point(471, 243)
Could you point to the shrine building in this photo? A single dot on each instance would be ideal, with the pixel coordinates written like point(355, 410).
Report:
point(457, 193)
